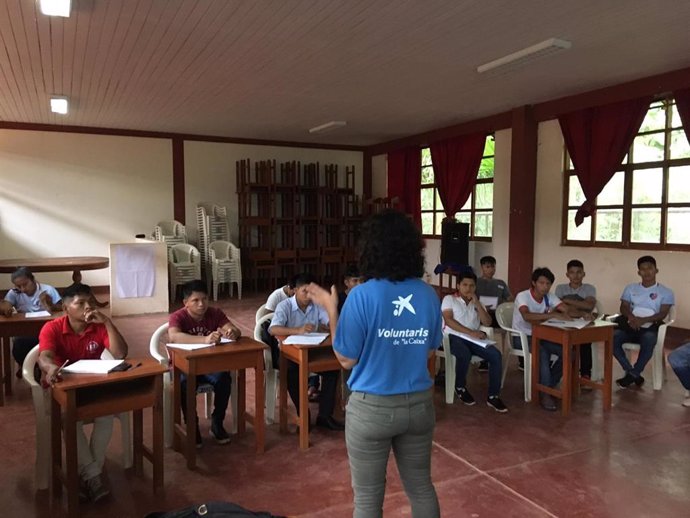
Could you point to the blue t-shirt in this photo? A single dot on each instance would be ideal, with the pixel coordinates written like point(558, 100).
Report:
point(389, 328)
point(27, 303)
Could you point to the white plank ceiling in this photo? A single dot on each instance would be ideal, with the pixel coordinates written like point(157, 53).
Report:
point(271, 69)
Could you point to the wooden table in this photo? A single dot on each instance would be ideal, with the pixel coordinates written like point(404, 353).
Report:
point(16, 325)
point(309, 358)
point(87, 396)
point(245, 353)
point(58, 264)
point(597, 331)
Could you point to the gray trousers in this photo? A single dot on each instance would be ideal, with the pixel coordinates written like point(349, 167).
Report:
point(374, 425)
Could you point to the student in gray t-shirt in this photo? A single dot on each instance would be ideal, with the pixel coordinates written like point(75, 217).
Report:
point(581, 300)
point(487, 286)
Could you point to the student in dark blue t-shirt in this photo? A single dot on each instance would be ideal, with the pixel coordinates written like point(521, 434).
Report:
point(389, 327)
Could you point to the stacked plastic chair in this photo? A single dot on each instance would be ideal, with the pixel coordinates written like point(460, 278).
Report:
point(184, 264)
point(225, 266)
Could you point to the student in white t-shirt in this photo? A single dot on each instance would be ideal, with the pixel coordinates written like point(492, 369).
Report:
point(279, 295)
point(463, 315)
point(534, 306)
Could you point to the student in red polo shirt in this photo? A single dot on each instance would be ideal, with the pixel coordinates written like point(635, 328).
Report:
point(83, 333)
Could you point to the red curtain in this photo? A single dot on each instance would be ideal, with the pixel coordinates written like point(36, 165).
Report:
point(682, 98)
point(597, 139)
point(404, 180)
point(456, 163)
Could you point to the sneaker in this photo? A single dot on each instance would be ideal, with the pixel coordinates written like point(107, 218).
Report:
point(483, 366)
point(521, 363)
point(548, 402)
point(218, 432)
point(464, 396)
point(96, 489)
point(496, 403)
point(639, 381)
point(199, 441)
point(626, 380)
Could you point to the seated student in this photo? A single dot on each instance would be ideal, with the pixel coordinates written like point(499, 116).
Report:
point(28, 295)
point(199, 323)
point(679, 360)
point(533, 306)
point(488, 286)
point(463, 314)
point(299, 315)
point(581, 300)
point(644, 305)
point(279, 295)
point(83, 333)
point(350, 280)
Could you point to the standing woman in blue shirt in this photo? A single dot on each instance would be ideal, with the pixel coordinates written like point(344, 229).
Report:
point(389, 327)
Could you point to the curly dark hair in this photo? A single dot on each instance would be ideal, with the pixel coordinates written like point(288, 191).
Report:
point(390, 247)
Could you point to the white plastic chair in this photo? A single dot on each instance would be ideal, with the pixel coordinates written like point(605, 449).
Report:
point(42, 402)
point(184, 262)
point(225, 266)
point(170, 229)
point(270, 371)
point(263, 310)
point(658, 359)
point(504, 317)
point(159, 351)
point(450, 361)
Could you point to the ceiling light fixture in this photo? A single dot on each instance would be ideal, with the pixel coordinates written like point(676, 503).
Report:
point(59, 105)
point(329, 126)
point(527, 55)
point(56, 7)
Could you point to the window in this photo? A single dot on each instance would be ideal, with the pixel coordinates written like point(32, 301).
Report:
point(646, 204)
point(478, 211)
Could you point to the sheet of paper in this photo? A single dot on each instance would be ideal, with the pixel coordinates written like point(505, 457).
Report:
point(489, 302)
point(189, 347)
point(224, 340)
point(578, 323)
point(37, 314)
point(483, 342)
point(135, 275)
point(92, 366)
point(308, 339)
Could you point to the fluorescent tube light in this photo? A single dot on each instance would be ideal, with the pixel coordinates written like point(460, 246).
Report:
point(329, 126)
point(59, 105)
point(56, 7)
point(524, 56)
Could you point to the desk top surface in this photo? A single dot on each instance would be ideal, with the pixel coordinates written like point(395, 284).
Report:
point(21, 317)
point(55, 264)
point(327, 343)
point(244, 344)
point(141, 367)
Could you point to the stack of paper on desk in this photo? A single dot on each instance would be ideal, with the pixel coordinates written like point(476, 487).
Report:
point(189, 347)
point(37, 314)
point(578, 323)
point(484, 342)
point(92, 366)
point(308, 339)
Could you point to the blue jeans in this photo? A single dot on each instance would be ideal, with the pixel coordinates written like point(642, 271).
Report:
point(463, 350)
point(647, 340)
point(548, 375)
point(374, 425)
point(679, 360)
point(221, 382)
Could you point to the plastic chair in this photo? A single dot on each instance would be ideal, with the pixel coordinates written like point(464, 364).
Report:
point(658, 359)
point(504, 317)
point(225, 267)
point(184, 262)
point(41, 400)
point(170, 229)
point(263, 310)
point(270, 371)
point(159, 351)
point(597, 368)
point(451, 361)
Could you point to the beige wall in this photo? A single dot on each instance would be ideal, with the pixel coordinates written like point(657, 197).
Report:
point(210, 173)
point(608, 269)
point(72, 194)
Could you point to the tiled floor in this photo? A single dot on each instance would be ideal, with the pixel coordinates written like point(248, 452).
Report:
point(633, 461)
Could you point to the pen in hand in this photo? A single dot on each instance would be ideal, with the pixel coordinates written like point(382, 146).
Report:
point(55, 378)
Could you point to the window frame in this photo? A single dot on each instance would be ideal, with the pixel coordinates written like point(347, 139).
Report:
point(628, 169)
point(437, 210)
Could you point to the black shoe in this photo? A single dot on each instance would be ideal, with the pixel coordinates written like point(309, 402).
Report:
point(199, 442)
point(483, 366)
point(626, 380)
point(96, 489)
point(639, 381)
point(496, 403)
point(330, 423)
point(218, 432)
point(464, 396)
point(548, 403)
